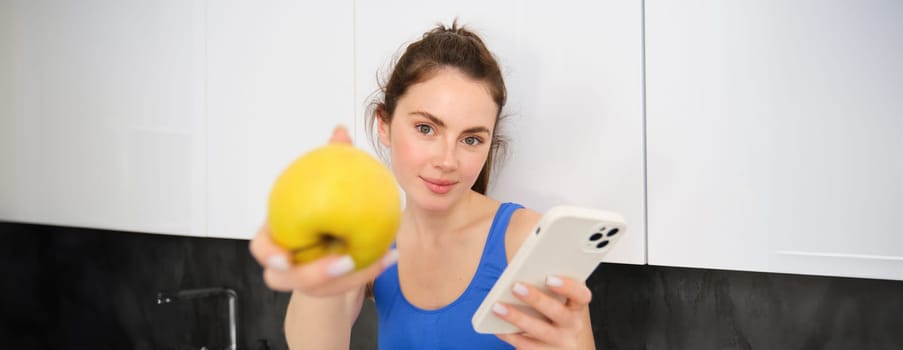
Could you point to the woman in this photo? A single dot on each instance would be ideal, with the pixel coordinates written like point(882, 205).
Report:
point(438, 119)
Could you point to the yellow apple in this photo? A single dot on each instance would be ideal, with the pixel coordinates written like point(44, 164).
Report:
point(336, 199)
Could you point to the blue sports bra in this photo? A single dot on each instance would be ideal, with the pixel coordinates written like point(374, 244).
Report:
point(405, 326)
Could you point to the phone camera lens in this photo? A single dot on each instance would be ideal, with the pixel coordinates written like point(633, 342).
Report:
point(602, 244)
point(613, 232)
point(595, 237)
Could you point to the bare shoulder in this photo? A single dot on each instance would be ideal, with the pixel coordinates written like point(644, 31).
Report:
point(522, 223)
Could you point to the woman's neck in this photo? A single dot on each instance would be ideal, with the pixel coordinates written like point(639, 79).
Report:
point(434, 226)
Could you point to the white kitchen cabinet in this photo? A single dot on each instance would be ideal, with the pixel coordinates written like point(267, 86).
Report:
point(280, 77)
point(101, 123)
point(574, 75)
point(773, 136)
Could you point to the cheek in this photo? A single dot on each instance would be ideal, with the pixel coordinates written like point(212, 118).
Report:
point(472, 164)
point(406, 153)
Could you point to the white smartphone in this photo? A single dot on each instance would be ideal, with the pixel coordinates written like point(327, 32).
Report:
point(567, 241)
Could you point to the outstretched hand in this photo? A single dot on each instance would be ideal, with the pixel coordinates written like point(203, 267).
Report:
point(327, 276)
point(564, 323)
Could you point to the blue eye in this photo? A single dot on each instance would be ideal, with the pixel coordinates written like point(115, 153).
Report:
point(473, 141)
point(424, 129)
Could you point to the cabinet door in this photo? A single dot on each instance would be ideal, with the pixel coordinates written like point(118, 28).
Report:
point(279, 79)
point(574, 75)
point(774, 136)
point(101, 120)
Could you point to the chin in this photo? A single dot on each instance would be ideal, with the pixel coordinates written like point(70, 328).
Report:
point(431, 202)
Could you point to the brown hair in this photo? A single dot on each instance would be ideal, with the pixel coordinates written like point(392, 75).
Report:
point(444, 47)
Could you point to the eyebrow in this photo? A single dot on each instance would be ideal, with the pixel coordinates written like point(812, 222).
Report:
point(441, 124)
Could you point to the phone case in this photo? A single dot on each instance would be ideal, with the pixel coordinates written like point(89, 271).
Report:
point(567, 241)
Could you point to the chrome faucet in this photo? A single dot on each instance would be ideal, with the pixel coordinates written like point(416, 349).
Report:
point(166, 298)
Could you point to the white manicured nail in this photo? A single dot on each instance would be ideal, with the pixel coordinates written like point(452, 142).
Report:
point(554, 281)
point(390, 258)
point(500, 309)
point(520, 289)
point(278, 262)
point(341, 266)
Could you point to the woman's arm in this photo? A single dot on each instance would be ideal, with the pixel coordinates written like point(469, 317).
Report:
point(326, 296)
point(322, 322)
point(327, 293)
point(585, 339)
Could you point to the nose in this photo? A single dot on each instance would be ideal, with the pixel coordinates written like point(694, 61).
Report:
point(445, 159)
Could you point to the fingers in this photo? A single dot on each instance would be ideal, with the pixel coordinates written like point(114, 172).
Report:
point(552, 308)
point(356, 279)
point(563, 319)
point(266, 252)
point(327, 276)
point(519, 341)
point(309, 275)
point(539, 329)
point(576, 292)
point(340, 135)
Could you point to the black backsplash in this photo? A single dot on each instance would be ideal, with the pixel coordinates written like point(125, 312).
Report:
point(69, 288)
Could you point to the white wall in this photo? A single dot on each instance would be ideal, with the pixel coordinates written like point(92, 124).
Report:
point(774, 136)
point(105, 115)
point(280, 78)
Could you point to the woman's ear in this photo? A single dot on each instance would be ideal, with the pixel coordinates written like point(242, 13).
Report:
point(383, 128)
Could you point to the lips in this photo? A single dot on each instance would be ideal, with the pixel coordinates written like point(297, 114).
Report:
point(438, 186)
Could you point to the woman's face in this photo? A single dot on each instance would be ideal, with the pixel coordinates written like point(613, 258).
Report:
point(439, 138)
